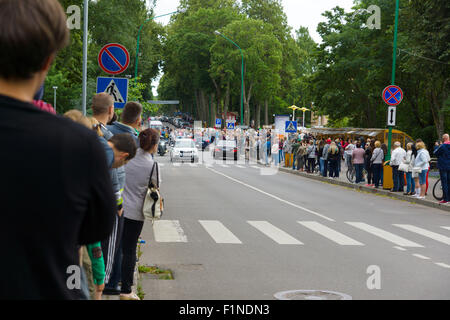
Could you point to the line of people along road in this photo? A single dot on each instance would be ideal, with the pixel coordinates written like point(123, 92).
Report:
point(129, 153)
point(363, 158)
point(72, 211)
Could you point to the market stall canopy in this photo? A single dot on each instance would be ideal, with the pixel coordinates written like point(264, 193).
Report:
point(355, 133)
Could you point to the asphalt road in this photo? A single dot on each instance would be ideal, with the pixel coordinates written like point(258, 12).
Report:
point(236, 231)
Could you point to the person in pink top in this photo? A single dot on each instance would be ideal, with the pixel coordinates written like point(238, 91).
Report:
point(358, 161)
point(38, 102)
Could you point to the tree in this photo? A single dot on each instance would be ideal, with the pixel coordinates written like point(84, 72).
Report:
point(262, 57)
point(428, 60)
point(187, 54)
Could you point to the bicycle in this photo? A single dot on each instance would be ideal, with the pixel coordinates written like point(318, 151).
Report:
point(351, 174)
point(438, 193)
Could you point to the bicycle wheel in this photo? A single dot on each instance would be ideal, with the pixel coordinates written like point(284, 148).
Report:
point(438, 193)
point(351, 176)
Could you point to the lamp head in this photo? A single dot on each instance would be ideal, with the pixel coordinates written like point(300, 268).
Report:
point(217, 32)
point(182, 10)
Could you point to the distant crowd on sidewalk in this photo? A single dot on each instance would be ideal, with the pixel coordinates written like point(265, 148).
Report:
point(367, 157)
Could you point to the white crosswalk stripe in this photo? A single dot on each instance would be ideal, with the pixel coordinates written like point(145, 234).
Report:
point(420, 256)
point(254, 167)
point(241, 167)
point(168, 231)
point(193, 165)
point(402, 242)
point(224, 166)
point(425, 233)
point(448, 228)
point(219, 232)
point(330, 234)
point(274, 233)
point(442, 265)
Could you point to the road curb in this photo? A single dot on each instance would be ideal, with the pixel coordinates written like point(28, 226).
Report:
point(363, 188)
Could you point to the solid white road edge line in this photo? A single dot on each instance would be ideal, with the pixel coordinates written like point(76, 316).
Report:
point(272, 196)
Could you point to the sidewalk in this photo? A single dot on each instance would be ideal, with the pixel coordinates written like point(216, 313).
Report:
point(342, 181)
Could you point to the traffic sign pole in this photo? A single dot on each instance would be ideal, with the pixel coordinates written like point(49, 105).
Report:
point(85, 54)
point(394, 60)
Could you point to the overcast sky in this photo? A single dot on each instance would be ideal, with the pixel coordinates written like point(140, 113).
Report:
point(307, 13)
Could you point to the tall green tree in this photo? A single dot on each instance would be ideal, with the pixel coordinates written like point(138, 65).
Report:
point(262, 58)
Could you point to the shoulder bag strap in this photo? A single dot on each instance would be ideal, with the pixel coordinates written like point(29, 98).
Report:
point(157, 174)
point(151, 175)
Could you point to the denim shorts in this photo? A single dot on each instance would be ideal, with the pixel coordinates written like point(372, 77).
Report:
point(423, 177)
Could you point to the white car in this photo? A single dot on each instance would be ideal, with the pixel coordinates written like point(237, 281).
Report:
point(184, 150)
point(154, 124)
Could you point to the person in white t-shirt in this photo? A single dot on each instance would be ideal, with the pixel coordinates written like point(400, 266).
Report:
point(397, 157)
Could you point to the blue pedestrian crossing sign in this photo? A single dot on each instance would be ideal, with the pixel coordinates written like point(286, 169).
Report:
point(218, 123)
point(115, 87)
point(291, 127)
point(230, 125)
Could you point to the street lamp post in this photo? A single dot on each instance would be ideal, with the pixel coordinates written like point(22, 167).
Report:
point(293, 107)
point(304, 110)
point(139, 38)
point(242, 74)
point(54, 97)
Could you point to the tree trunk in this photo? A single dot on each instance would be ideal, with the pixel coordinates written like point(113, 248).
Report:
point(198, 105)
point(258, 116)
point(266, 112)
point(438, 117)
point(247, 97)
point(204, 105)
point(213, 109)
point(227, 103)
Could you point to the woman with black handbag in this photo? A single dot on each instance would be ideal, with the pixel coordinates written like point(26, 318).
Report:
point(140, 173)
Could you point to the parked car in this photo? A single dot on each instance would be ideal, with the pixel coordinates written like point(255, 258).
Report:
point(226, 149)
point(184, 150)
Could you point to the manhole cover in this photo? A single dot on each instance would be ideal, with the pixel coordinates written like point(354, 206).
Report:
point(311, 295)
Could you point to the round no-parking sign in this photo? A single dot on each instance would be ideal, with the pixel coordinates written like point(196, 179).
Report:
point(114, 58)
point(392, 95)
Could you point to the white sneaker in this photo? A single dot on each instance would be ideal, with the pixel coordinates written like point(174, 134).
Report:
point(419, 197)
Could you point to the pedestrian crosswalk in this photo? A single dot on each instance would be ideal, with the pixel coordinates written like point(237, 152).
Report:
point(172, 231)
point(276, 234)
point(386, 235)
point(331, 234)
point(219, 232)
point(425, 233)
point(168, 231)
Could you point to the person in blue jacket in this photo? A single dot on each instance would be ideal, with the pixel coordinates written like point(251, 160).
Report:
point(442, 151)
